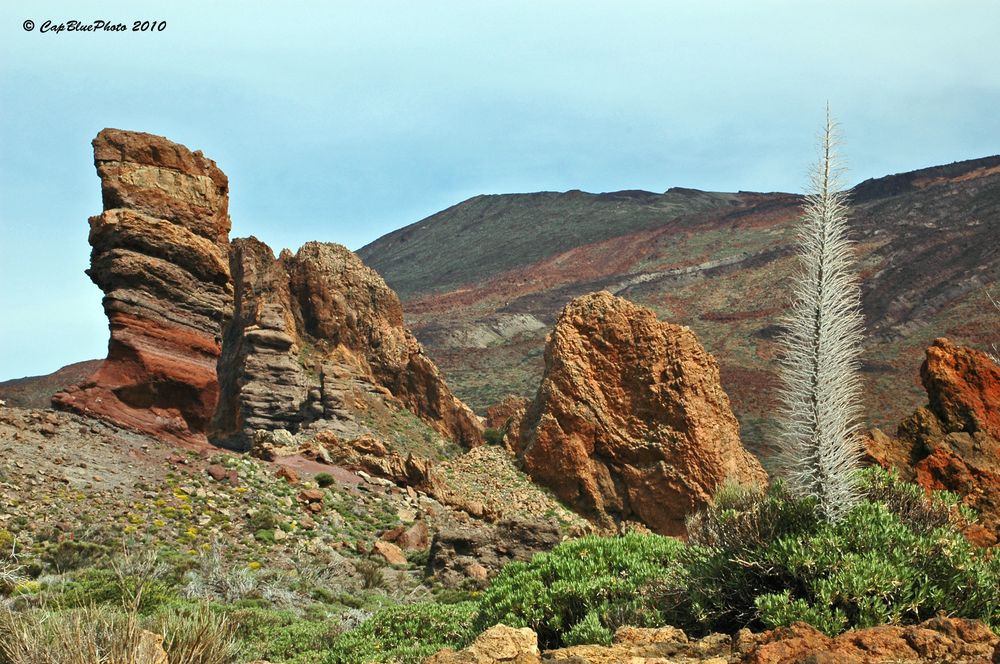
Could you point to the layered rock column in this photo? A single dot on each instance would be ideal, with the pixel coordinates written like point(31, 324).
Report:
point(160, 254)
point(630, 421)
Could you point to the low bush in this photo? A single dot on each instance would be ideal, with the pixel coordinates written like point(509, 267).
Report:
point(280, 635)
point(405, 633)
point(897, 557)
point(763, 559)
point(493, 436)
point(588, 586)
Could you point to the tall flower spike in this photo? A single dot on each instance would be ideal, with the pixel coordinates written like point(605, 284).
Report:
point(819, 448)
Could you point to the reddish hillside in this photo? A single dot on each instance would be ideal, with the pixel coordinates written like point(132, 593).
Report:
point(483, 281)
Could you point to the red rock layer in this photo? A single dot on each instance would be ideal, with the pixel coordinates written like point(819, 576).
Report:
point(630, 421)
point(160, 254)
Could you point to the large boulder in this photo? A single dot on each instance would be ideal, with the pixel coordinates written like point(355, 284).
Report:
point(160, 254)
point(630, 421)
point(308, 326)
point(952, 444)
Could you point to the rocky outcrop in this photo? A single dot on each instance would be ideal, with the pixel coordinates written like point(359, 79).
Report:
point(347, 304)
point(937, 641)
point(304, 327)
point(220, 340)
point(952, 444)
point(461, 555)
point(160, 254)
point(630, 421)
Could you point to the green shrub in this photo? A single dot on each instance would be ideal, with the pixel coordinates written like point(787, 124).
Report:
point(587, 586)
point(588, 630)
point(405, 633)
point(770, 560)
point(264, 536)
point(760, 558)
point(280, 635)
point(96, 587)
point(324, 479)
point(493, 436)
point(263, 519)
point(68, 555)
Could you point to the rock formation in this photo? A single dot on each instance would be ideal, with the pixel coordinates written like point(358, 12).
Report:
point(938, 641)
point(304, 327)
point(630, 421)
point(954, 442)
point(160, 254)
point(209, 338)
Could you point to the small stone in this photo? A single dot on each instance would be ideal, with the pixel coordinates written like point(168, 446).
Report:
point(476, 571)
point(288, 475)
point(307, 522)
point(390, 552)
point(414, 538)
point(216, 472)
point(311, 496)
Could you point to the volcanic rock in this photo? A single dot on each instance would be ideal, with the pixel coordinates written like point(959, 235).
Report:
point(462, 554)
point(938, 641)
point(391, 553)
point(263, 384)
point(160, 254)
point(304, 327)
point(496, 645)
point(954, 443)
point(630, 421)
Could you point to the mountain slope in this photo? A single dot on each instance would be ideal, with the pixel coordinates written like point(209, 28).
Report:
point(484, 280)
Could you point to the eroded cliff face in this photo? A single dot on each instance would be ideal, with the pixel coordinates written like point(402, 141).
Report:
point(220, 340)
point(630, 421)
point(160, 254)
point(305, 327)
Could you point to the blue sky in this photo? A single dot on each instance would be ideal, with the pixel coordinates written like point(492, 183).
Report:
point(341, 121)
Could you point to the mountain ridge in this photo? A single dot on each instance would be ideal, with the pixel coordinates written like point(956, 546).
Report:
point(718, 262)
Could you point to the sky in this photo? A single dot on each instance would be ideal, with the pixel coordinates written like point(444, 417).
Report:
point(342, 121)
